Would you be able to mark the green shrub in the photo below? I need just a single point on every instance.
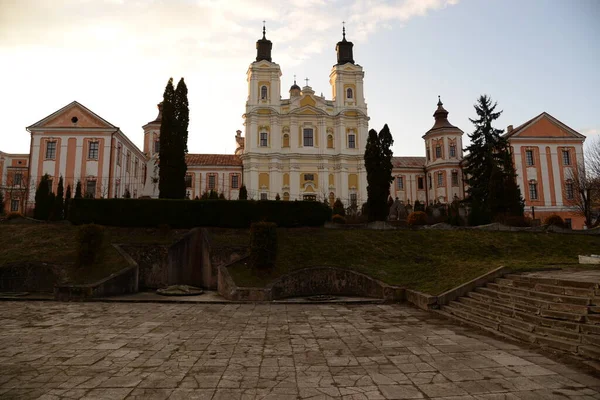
(555, 220)
(338, 219)
(90, 242)
(190, 214)
(263, 245)
(338, 208)
(417, 218)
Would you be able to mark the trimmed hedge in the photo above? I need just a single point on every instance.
(190, 214)
(263, 245)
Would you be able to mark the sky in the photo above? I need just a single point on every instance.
(116, 56)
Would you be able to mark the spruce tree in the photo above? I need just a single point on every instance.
(378, 163)
(58, 206)
(490, 174)
(42, 206)
(167, 147)
(78, 194)
(67, 201)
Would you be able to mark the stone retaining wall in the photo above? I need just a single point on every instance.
(309, 282)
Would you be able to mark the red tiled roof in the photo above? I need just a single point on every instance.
(213, 159)
(410, 162)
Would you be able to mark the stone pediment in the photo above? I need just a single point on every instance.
(73, 115)
(544, 126)
(308, 100)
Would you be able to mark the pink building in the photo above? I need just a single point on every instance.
(81, 146)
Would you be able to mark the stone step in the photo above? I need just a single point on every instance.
(530, 323)
(556, 298)
(553, 281)
(539, 287)
(549, 341)
(531, 301)
(471, 317)
(506, 309)
(533, 310)
(492, 315)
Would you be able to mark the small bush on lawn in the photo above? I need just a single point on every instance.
(90, 242)
(555, 220)
(338, 219)
(338, 208)
(417, 218)
(263, 245)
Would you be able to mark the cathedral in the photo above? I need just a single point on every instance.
(301, 147)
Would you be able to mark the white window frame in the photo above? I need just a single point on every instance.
(264, 92)
(529, 158)
(93, 152)
(311, 138)
(533, 190)
(212, 182)
(566, 157)
(400, 182)
(352, 143)
(12, 205)
(263, 141)
(53, 149)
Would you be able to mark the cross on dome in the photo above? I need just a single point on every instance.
(306, 79)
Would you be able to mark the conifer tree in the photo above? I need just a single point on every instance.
(182, 117)
(58, 206)
(1, 202)
(67, 201)
(43, 203)
(378, 163)
(243, 195)
(78, 194)
(490, 174)
(167, 143)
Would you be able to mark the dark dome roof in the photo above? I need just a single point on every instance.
(295, 87)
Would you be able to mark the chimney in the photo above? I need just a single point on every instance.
(509, 129)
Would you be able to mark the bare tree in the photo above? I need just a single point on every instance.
(15, 187)
(582, 187)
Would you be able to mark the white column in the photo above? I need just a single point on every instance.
(294, 181)
(343, 190)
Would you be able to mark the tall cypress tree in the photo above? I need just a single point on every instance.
(78, 193)
(43, 203)
(378, 163)
(168, 146)
(490, 174)
(1, 202)
(67, 201)
(58, 206)
(182, 118)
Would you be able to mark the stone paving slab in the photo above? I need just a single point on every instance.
(267, 351)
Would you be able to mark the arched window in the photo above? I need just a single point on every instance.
(263, 92)
(286, 196)
(329, 141)
(286, 140)
(349, 94)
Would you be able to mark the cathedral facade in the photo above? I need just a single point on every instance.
(301, 147)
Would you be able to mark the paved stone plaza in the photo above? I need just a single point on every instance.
(229, 351)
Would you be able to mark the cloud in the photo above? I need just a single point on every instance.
(209, 29)
(590, 131)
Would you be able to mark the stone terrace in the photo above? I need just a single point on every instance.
(266, 351)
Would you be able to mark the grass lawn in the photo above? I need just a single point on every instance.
(55, 244)
(431, 261)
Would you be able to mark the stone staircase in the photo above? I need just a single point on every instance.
(552, 312)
